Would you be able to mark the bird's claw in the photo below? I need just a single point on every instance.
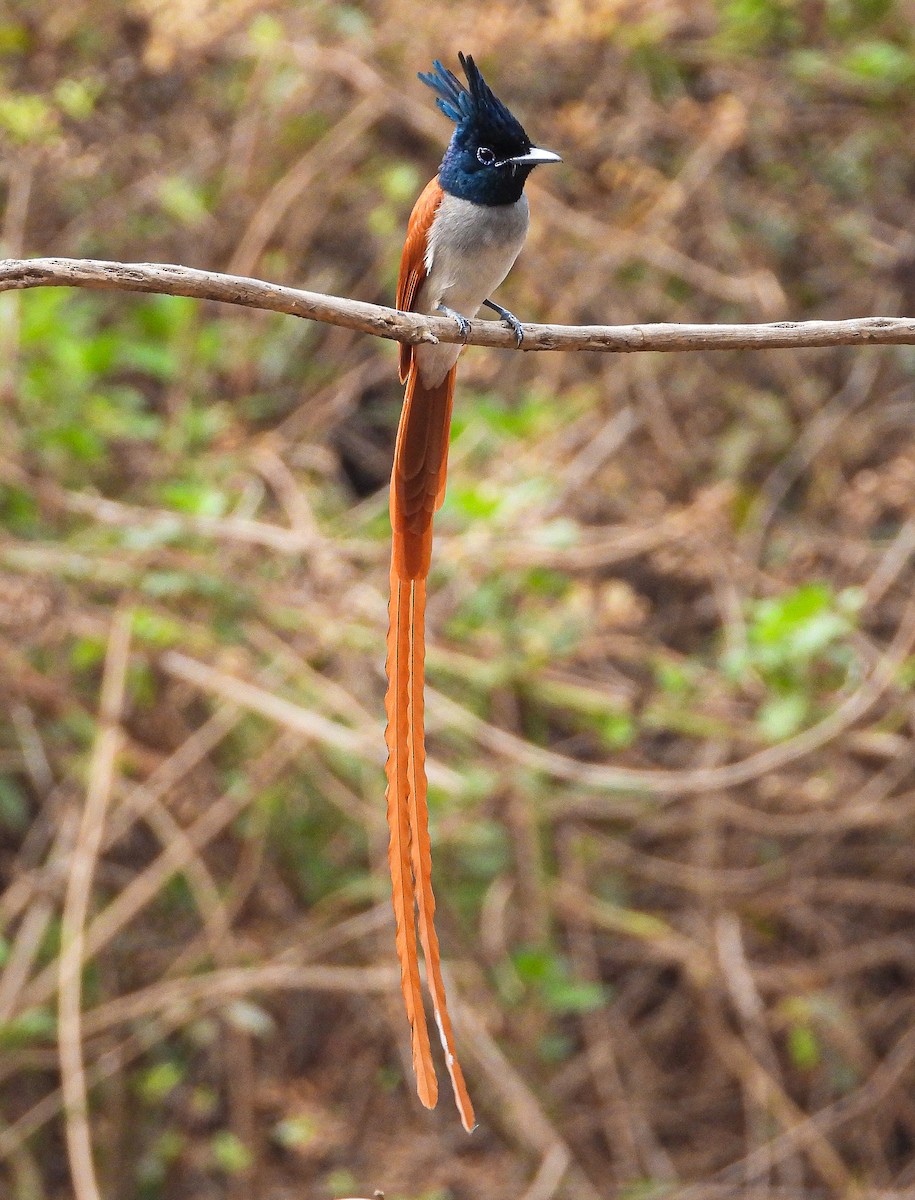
(461, 321)
(509, 319)
(515, 326)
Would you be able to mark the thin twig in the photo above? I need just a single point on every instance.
(169, 279)
(37, 913)
(76, 905)
(144, 887)
(520, 1112)
(168, 1004)
(227, 983)
(285, 713)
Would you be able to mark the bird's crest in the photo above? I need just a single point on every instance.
(473, 105)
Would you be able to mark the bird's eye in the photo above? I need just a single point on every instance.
(485, 156)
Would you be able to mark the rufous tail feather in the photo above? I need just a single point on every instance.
(402, 889)
(417, 489)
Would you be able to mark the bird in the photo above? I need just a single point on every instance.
(465, 232)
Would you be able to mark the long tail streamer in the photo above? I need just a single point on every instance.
(417, 489)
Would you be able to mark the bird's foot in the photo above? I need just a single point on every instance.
(462, 323)
(509, 318)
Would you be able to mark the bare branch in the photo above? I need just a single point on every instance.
(171, 280)
(73, 954)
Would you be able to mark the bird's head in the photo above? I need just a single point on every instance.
(490, 156)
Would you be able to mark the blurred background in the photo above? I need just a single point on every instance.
(671, 617)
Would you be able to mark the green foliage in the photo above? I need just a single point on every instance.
(155, 629)
(536, 627)
(340, 1182)
(293, 1133)
(301, 831)
(881, 64)
(878, 69)
(19, 512)
(811, 1021)
(156, 1083)
(229, 1153)
(486, 851)
(153, 1165)
(71, 410)
(35, 1025)
(265, 32)
(27, 119)
(798, 647)
(548, 977)
(748, 26)
(14, 809)
(76, 98)
(15, 38)
(184, 201)
(848, 17)
(497, 424)
(803, 1047)
(647, 1189)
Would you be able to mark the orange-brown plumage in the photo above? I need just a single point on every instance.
(413, 259)
(399, 857)
(417, 490)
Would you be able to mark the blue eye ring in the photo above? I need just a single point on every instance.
(485, 156)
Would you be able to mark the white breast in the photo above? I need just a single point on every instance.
(470, 251)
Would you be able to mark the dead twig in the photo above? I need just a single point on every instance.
(145, 886)
(168, 279)
(76, 905)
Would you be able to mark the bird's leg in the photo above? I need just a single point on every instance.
(508, 317)
(462, 323)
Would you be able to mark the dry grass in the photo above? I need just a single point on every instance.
(672, 625)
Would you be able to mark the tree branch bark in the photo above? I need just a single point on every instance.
(170, 280)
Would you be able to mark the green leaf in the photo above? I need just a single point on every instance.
(14, 808)
(15, 38)
(575, 996)
(294, 1132)
(198, 497)
(76, 97)
(27, 118)
(401, 182)
(265, 32)
(33, 1025)
(882, 63)
(229, 1153)
(548, 974)
(803, 1047)
(154, 628)
(751, 25)
(159, 1081)
(183, 200)
(618, 730)
(782, 716)
(788, 633)
(156, 359)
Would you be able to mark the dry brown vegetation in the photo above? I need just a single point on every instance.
(671, 622)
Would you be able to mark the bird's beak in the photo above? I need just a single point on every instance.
(534, 158)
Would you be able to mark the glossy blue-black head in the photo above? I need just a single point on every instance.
(489, 156)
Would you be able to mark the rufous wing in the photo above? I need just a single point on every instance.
(413, 259)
